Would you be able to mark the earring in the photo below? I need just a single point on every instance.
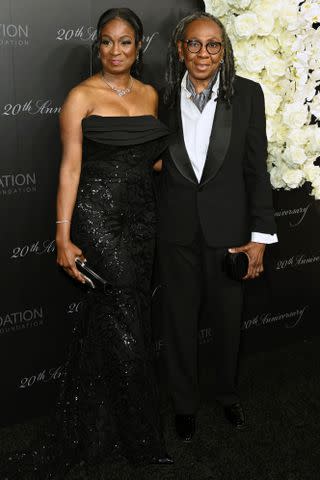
(98, 55)
(181, 59)
(221, 61)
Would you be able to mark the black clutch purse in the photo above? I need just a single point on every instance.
(91, 277)
(236, 265)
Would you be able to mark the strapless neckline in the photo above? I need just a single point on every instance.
(123, 131)
(113, 117)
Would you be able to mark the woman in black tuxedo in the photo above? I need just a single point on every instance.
(215, 196)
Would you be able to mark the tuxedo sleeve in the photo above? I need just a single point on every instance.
(255, 167)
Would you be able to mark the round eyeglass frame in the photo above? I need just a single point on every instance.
(187, 42)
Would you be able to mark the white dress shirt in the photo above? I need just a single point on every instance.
(197, 128)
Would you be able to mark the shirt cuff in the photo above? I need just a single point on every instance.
(264, 237)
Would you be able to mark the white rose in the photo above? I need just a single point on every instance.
(306, 40)
(306, 92)
(293, 178)
(244, 66)
(314, 62)
(310, 91)
(295, 115)
(256, 60)
(312, 40)
(301, 59)
(241, 50)
(239, 4)
(314, 76)
(315, 106)
(299, 74)
(313, 139)
(276, 178)
(276, 165)
(298, 136)
(217, 8)
(312, 172)
(298, 44)
(250, 75)
(246, 25)
(268, 6)
(294, 155)
(311, 12)
(276, 67)
(281, 133)
(265, 21)
(275, 152)
(272, 101)
(285, 39)
(271, 129)
(270, 43)
(288, 14)
(283, 86)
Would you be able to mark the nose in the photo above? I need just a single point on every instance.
(115, 50)
(203, 51)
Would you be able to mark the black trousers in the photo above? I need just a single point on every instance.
(195, 285)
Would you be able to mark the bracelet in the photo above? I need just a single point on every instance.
(63, 221)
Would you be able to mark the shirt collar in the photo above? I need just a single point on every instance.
(214, 90)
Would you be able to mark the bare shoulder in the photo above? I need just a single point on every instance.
(75, 100)
(79, 98)
(149, 94)
(150, 91)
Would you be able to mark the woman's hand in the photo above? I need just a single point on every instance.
(66, 255)
(157, 166)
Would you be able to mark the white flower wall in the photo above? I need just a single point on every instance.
(274, 44)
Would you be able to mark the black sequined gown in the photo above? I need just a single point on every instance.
(108, 406)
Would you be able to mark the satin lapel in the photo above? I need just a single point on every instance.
(178, 149)
(219, 142)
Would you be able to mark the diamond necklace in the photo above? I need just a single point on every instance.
(119, 91)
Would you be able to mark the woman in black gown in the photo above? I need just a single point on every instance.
(111, 139)
(108, 406)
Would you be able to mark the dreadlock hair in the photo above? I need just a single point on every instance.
(134, 21)
(176, 69)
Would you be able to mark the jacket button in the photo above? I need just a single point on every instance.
(200, 189)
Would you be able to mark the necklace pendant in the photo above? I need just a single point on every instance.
(119, 91)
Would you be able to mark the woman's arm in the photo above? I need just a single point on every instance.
(154, 99)
(71, 115)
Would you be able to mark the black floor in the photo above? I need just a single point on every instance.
(281, 394)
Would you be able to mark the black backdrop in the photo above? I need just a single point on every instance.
(45, 51)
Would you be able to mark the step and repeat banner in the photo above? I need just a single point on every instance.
(45, 49)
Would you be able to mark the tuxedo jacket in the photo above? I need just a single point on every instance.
(233, 197)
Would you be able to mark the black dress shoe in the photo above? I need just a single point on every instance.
(235, 414)
(165, 460)
(185, 427)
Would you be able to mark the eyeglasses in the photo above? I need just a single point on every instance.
(194, 46)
